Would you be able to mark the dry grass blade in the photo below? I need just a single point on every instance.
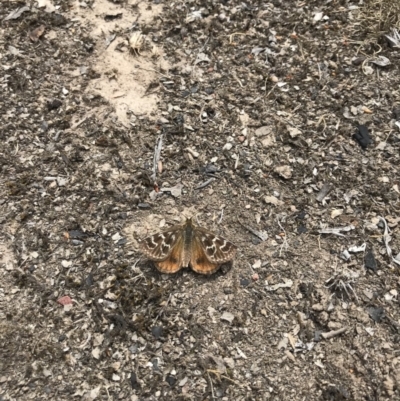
(377, 17)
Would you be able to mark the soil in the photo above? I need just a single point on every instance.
(275, 124)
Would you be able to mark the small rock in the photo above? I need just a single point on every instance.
(376, 313)
(318, 307)
(370, 261)
(183, 381)
(157, 332)
(96, 353)
(53, 104)
(317, 336)
(171, 380)
(227, 316)
(244, 282)
(318, 16)
(193, 152)
(144, 206)
(389, 385)
(89, 280)
(134, 349)
(44, 126)
(362, 136)
(133, 380)
(354, 110)
(229, 362)
(293, 131)
(301, 229)
(268, 141)
(336, 213)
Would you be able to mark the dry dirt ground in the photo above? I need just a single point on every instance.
(253, 106)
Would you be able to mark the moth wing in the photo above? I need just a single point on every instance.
(158, 247)
(174, 261)
(216, 248)
(199, 262)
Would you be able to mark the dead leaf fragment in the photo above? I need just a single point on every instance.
(14, 51)
(268, 141)
(266, 136)
(175, 191)
(326, 188)
(92, 394)
(96, 353)
(264, 131)
(284, 171)
(98, 339)
(228, 317)
(336, 213)
(202, 57)
(287, 284)
(272, 200)
(381, 61)
(293, 131)
(37, 33)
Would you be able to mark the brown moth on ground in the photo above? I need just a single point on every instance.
(187, 245)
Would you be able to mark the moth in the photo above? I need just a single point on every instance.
(187, 245)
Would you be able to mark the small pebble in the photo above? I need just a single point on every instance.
(171, 380)
(144, 206)
(133, 380)
(376, 313)
(157, 332)
(244, 282)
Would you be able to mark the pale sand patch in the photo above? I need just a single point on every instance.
(124, 76)
(7, 257)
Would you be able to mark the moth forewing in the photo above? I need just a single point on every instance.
(158, 247)
(217, 248)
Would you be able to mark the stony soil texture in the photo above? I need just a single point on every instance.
(275, 124)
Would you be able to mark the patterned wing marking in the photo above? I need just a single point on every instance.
(159, 246)
(174, 261)
(217, 249)
(199, 262)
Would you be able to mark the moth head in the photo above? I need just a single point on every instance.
(189, 222)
